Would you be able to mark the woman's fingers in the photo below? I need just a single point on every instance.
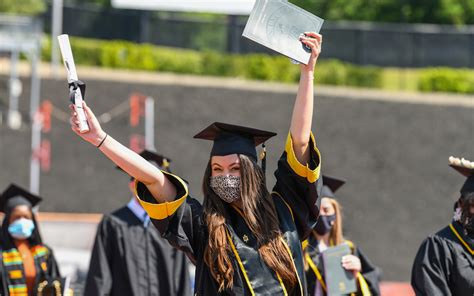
(76, 130)
(346, 267)
(315, 51)
(312, 43)
(351, 262)
(73, 112)
(349, 266)
(95, 132)
(347, 260)
(312, 40)
(88, 110)
(93, 121)
(314, 35)
(74, 122)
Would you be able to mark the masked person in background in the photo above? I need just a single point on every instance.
(444, 264)
(28, 265)
(243, 239)
(131, 258)
(328, 233)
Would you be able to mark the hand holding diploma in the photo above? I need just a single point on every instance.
(314, 42)
(352, 263)
(95, 135)
(132, 163)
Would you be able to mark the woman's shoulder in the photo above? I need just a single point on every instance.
(444, 238)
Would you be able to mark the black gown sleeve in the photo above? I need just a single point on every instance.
(430, 269)
(300, 186)
(53, 267)
(99, 276)
(181, 275)
(369, 272)
(179, 221)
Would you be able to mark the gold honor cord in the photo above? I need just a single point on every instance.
(461, 239)
(364, 287)
(240, 262)
(294, 266)
(242, 266)
(316, 271)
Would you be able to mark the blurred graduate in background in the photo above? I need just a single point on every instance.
(444, 264)
(328, 233)
(130, 257)
(28, 266)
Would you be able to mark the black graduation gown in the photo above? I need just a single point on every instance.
(444, 264)
(130, 259)
(52, 271)
(296, 199)
(369, 275)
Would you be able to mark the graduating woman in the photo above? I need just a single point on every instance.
(328, 233)
(444, 264)
(28, 266)
(243, 239)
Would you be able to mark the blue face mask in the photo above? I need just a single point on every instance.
(21, 228)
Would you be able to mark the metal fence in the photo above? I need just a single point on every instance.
(398, 45)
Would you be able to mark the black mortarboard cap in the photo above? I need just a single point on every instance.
(14, 196)
(465, 168)
(155, 158)
(158, 159)
(330, 186)
(234, 139)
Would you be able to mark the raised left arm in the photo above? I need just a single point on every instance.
(301, 120)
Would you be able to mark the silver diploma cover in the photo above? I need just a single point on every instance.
(278, 24)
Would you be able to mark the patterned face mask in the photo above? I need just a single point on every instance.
(226, 187)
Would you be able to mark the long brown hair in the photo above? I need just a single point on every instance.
(261, 217)
(335, 236)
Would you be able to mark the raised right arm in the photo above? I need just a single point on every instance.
(132, 163)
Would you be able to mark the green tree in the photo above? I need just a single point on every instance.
(412, 11)
(455, 11)
(26, 7)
